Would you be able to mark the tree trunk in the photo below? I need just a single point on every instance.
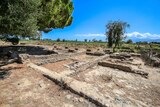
(114, 47)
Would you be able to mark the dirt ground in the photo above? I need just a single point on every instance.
(64, 65)
(26, 87)
(124, 88)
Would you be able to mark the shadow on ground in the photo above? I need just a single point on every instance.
(30, 50)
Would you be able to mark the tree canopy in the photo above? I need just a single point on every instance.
(26, 17)
(115, 32)
(129, 41)
(55, 14)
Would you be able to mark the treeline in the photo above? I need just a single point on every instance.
(76, 40)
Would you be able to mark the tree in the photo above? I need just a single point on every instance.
(129, 41)
(100, 41)
(26, 17)
(13, 39)
(85, 40)
(63, 40)
(19, 17)
(94, 40)
(115, 32)
(58, 40)
(55, 14)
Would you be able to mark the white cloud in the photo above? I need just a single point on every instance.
(91, 35)
(143, 35)
(132, 34)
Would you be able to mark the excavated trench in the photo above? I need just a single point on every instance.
(73, 64)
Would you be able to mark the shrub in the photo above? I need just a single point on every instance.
(58, 40)
(129, 41)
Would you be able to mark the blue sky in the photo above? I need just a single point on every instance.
(91, 16)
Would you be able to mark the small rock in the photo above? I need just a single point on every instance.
(76, 49)
(66, 47)
(71, 50)
(75, 99)
(68, 97)
(88, 50)
(22, 58)
(107, 51)
(81, 100)
(55, 46)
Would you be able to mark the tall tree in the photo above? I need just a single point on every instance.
(19, 17)
(129, 41)
(55, 14)
(26, 17)
(115, 32)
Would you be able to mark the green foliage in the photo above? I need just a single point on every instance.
(19, 17)
(144, 42)
(58, 40)
(26, 17)
(63, 40)
(85, 40)
(129, 41)
(115, 32)
(13, 39)
(94, 40)
(55, 14)
(100, 41)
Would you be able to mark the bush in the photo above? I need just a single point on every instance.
(58, 40)
(129, 41)
(13, 39)
(63, 40)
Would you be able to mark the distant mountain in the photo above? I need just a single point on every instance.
(148, 37)
(143, 39)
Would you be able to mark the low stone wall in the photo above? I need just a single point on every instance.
(151, 58)
(44, 59)
(96, 53)
(85, 66)
(124, 68)
(81, 88)
(41, 60)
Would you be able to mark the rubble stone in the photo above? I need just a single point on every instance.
(155, 61)
(97, 53)
(107, 51)
(71, 50)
